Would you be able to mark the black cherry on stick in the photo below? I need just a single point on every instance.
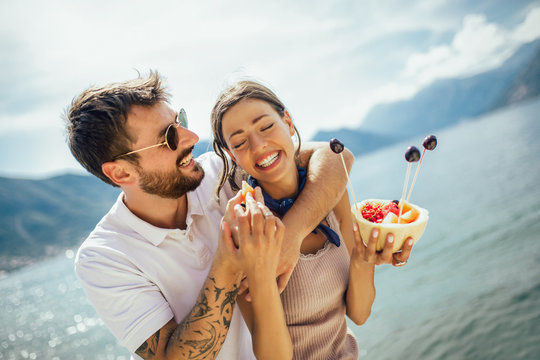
(430, 143)
(338, 147)
(411, 155)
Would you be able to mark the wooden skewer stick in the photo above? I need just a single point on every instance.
(404, 190)
(349, 180)
(411, 155)
(338, 147)
(415, 175)
(429, 143)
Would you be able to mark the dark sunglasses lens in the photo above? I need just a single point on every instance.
(182, 118)
(172, 137)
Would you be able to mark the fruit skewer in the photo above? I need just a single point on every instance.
(430, 142)
(411, 155)
(338, 147)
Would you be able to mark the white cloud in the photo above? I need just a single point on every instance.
(477, 47)
(530, 28)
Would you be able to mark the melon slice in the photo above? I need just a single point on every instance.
(390, 218)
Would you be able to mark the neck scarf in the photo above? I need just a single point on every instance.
(281, 206)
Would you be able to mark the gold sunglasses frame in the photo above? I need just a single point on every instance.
(180, 120)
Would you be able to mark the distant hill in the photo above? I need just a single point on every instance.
(357, 141)
(448, 101)
(525, 86)
(39, 218)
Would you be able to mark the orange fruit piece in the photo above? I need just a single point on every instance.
(409, 216)
(245, 189)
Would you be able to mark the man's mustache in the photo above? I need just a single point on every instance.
(183, 154)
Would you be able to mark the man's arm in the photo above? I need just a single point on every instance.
(325, 185)
(202, 332)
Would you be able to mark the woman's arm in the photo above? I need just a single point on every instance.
(325, 184)
(265, 319)
(361, 289)
(259, 252)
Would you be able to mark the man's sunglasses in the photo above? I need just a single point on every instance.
(171, 135)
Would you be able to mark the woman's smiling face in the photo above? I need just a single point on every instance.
(259, 140)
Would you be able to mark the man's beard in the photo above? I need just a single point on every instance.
(171, 184)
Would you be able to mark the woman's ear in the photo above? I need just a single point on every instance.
(288, 121)
(118, 172)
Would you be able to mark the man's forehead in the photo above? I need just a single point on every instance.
(152, 118)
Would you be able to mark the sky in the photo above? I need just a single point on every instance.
(329, 61)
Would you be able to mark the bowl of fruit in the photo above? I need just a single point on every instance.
(401, 218)
(384, 215)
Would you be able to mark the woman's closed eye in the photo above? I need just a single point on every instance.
(238, 145)
(267, 127)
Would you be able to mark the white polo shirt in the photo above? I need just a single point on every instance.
(138, 276)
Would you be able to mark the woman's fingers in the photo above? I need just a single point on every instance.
(258, 195)
(358, 242)
(386, 256)
(242, 231)
(400, 258)
(257, 217)
(226, 237)
(371, 250)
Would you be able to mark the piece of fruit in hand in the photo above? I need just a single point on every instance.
(245, 189)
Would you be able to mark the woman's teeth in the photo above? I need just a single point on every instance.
(269, 160)
(186, 161)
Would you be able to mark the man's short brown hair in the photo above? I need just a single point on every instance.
(96, 120)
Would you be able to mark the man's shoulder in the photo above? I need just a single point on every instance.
(210, 161)
(105, 235)
(213, 167)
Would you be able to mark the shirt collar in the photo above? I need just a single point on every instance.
(151, 233)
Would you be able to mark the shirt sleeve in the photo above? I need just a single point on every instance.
(132, 307)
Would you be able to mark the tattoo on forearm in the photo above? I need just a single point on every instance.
(230, 300)
(148, 349)
(218, 292)
(210, 322)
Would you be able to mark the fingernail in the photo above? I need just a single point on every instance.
(390, 238)
(355, 227)
(410, 242)
(375, 232)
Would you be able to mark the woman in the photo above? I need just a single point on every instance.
(334, 275)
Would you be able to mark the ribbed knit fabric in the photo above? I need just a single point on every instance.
(314, 304)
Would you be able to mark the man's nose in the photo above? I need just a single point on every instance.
(186, 137)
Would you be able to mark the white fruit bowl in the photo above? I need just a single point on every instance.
(401, 232)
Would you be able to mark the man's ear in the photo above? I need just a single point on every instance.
(118, 172)
(288, 121)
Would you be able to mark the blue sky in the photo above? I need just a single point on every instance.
(329, 61)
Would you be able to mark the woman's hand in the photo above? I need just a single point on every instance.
(369, 254)
(259, 236)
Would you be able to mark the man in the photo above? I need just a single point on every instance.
(153, 267)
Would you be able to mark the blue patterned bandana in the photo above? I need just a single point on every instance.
(281, 206)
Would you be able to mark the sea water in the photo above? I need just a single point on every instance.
(471, 289)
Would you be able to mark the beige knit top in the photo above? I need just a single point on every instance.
(314, 303)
